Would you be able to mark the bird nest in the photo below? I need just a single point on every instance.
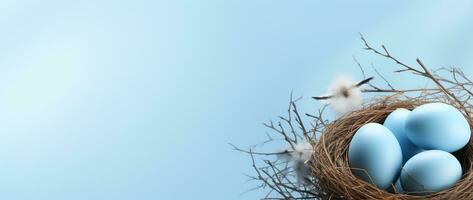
(314, 164)
(333, 173)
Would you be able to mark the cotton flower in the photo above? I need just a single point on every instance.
(297, 157)
(344, 95)
(302, 151)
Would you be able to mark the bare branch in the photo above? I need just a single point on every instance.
(279, 176)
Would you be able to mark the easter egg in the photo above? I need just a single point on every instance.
(430, 171)
(395, 122)
(438, 126)
(374, 155)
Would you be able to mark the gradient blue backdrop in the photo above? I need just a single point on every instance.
(138, 99)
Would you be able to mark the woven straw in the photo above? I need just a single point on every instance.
(334, 177)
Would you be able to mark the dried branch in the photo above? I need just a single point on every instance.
(280, 178)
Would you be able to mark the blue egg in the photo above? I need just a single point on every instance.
(374, 155)
(438, 126)
(395, 122)
(430, 171)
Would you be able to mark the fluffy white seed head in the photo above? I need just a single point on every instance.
(298, 156)
(345, 95)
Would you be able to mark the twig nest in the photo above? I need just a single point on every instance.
(334, 175)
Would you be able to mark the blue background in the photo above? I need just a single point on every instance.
(138, 99)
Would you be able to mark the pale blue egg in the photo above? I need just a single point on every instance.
(395, 122)
(438, 126)
(430, 171)
(374, 155)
